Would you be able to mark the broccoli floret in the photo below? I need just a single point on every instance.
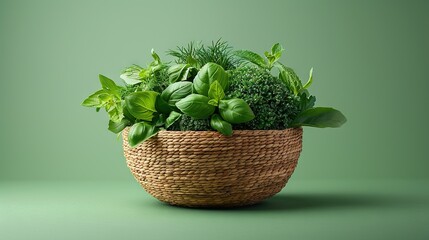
(270, 99)
(187, 123)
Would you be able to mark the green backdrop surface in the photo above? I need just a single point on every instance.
(63, 175)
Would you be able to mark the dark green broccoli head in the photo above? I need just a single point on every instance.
(187, 123)
(273, 104)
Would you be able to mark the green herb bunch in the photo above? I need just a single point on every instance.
(209, 88)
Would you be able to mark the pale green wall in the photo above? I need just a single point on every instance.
(370, 60)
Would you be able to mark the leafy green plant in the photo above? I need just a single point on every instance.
(208, 88)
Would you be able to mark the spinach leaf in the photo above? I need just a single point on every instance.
(320, 117)
(207, 75)
(142, 104)
(235, 111)
(140, 132)
(196, 106)
(217, 123)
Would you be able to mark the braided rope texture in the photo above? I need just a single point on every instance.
(207, 169)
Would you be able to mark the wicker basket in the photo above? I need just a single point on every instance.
(207, 169)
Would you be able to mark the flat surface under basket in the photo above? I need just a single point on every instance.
(387, 209)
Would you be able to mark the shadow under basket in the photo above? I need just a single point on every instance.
(207, 169)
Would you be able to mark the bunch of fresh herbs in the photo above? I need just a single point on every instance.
(210, 88)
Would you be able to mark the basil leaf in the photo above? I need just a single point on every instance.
(155, 56)
(177, 72)
(235, 111)
(224, 127)
(175, 92)
(196, 106)
(277, 50)
(93, 100)
(117, 127)
(216, 92)
(131, 75)
(320, 117)
(207, 75)
(109, 84)
(162, 106)
(127, 113)
(310, 80)
(251, 57)
(172, 118)
(142, 104)
(140, 132)
(213, 102)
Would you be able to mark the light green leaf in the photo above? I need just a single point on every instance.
(177, 72)
(235, 111)
(140, 132)
(207, 75)
(224, 127)
(93, 100)
(155, 56)
(310, 79)
(251, 57)
(131, 75)
(196, 106)
(115, 113)
(142, 104)
(320, 117)
(175, 92)
(216, 91)
(109, 84)
(277, 49)
(172, 118)
(117, 127)
(214, 102)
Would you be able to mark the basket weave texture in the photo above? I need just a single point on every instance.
(207, 169)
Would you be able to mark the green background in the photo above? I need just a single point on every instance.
(370, 61)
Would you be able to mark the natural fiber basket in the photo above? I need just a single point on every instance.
(207, 169)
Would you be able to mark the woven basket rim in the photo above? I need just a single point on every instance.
(234, 131)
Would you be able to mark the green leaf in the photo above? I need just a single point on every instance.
(93, 100)
(216, 91)
(277, 50)
(131, 75)
(207, 75)
(196, 106)
(177, 72)
(172, 118)
(224, 127)
(162, 106)
(310, 79)
(117, 127)
(320, 117)
(175, 92)
(235, 111)
(140, 132)
(142, 104)
(109, 84)
(251, 57)
(115, 113)
(291, 79)
(155, 56)
(214, 102)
